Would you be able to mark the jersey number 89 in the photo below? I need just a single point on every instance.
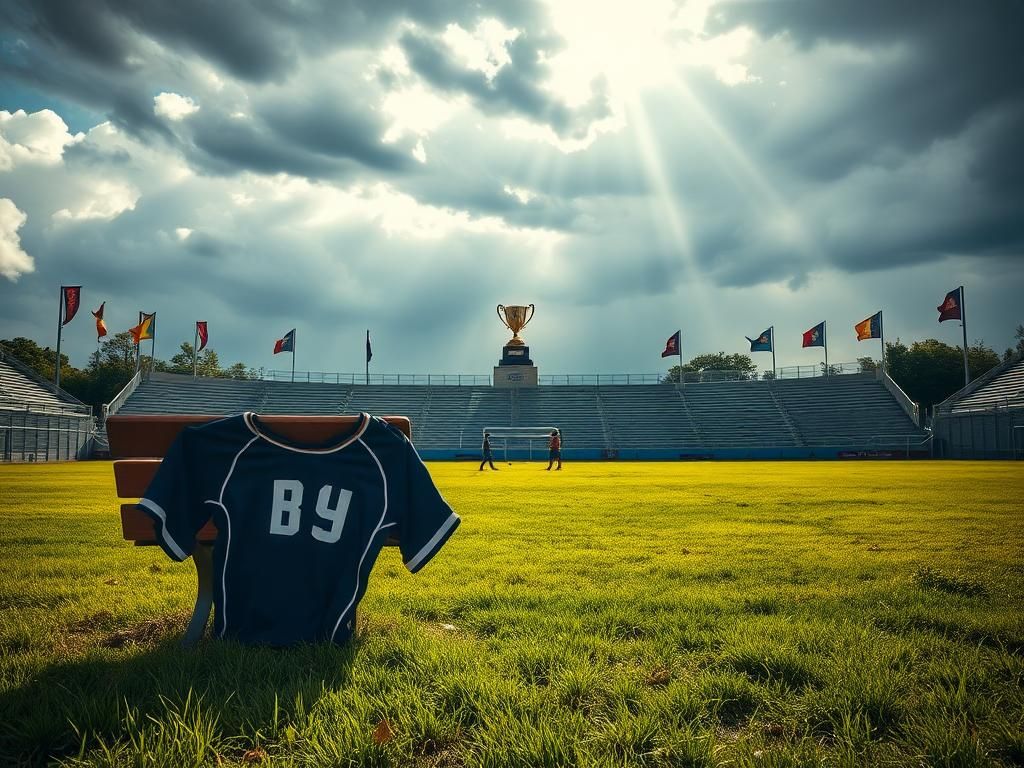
(286, 510)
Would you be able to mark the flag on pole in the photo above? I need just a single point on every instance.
(72, 300)
(950, 308)
(286, 344)
(101, 327)
(369, 350)
(203, 333)
(816, 336)
(763, 343)
(146, 329)
(870, 328)
(673, 345)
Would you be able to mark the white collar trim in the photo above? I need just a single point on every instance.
(249, 418)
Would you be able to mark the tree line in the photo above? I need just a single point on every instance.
(112, 366)
(928, 371)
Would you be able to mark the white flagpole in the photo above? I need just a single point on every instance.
(195, 353)
(963, 323)
(771, 335)
(293, 355)
(881, 335)
(60, 327)
(152, 349)
(824, 332)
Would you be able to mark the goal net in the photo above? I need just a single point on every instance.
(529, 439)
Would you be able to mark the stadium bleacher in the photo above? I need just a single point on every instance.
(1005, 388)
(853, 411)
(37, 421)
(841, 409)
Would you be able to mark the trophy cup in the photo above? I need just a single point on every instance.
(515, 368)
(515, 320)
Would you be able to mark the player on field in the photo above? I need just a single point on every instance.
(555, 449)
(488, 456)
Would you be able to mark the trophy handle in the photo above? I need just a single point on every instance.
(532, 310)
(498, 309)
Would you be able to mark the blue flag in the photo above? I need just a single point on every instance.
(762, 343)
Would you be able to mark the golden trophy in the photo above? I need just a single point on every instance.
(515, 369)
(515, 320)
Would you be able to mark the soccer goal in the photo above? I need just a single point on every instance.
(522, 438)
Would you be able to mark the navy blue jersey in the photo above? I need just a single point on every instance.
(299, 526)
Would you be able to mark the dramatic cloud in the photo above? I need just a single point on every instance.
(629, 167)
(173, 106)
(13, 260)
(37, 138)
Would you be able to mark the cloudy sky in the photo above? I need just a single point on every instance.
(629, 167)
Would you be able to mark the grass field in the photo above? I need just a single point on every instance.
(610, 614)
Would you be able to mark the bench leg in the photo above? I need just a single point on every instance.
(203, 559)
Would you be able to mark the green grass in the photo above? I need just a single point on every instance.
(610, 614)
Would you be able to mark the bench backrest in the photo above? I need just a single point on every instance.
(138, 444)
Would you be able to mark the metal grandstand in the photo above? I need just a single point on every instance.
(788, 418)
(985, 419)
(39, 422)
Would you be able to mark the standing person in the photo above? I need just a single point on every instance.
(488, 456)
(555, 449)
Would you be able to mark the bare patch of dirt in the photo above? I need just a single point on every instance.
(91, 623)
(146, 632)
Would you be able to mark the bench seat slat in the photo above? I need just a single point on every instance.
(133, 476)
(150, 436)
(138, 527)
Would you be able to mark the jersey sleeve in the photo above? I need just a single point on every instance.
(170, 500)
(425, 521)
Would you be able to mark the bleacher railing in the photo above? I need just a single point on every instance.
(562, 379)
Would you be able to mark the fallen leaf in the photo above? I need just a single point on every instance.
(254, 755)
(382, 734)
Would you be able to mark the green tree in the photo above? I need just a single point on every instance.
(929, 371)
(39, 359)
(867, 364)
(739, 364)
(1018, 348)
(207, 365)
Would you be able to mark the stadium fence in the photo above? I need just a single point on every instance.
(44, 434)
(562, 379)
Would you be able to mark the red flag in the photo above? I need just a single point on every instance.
(287, 344)
(101, 327)
(816, 336)
(72, 300)
(204, 334)
(673, 344)
(949, 309)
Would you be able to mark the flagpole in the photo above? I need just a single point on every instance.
(367, 357)
(195, 353)
(881, 335)
(138, 348)
(772, 334)
(824, 332)
(293, 355)
(152, 348)
(60, 326)
(963, 323)
(681, 358)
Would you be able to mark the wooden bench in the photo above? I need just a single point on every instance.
(138, 444)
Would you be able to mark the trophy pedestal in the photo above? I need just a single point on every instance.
(515, 355)
(517, 375)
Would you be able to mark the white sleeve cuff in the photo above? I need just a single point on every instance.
(434, 544)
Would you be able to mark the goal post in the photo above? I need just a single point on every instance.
(519, 437)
